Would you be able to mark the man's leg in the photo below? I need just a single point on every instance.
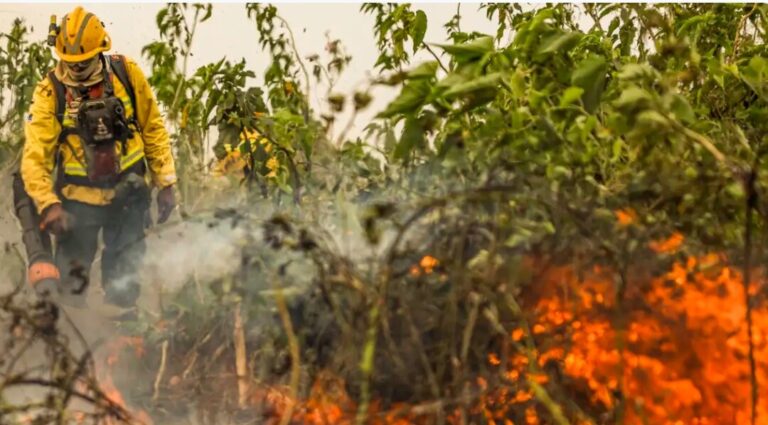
(123, 254)
(75, 250)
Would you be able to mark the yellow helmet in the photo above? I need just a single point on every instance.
(81, 36)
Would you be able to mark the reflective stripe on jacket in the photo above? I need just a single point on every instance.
(41, 145)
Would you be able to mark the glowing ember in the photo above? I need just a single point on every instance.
(428, 263)
(669, 245)
(426, 266)
(626, 216)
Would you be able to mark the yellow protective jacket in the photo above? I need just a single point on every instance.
(41, 146)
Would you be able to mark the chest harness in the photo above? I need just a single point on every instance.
(98, 118)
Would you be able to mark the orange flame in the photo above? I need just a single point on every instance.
(426, 265)
(104, 372)
(685, 345)
(625, 217)
(668, 245)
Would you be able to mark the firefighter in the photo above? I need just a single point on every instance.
(95, 145)
(241, 151)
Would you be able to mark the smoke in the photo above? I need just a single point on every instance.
(192, 250)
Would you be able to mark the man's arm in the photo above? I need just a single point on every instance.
(157, 146)
(41, 132)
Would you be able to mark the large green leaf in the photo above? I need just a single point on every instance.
(469, 51)
(651, 120)
(557, 42)
(571, 95)
(413, 136)
(474, 85)
(633, 97)
(590, 76)
(682, 109)
(425, 70)
(419, 29)
(637, 71)
(413, 95)
(716, 71)
(451, 80)
(756, 76)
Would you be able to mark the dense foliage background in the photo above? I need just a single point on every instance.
(496, 246)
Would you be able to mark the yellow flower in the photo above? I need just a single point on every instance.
(267, 145)
(273, 164)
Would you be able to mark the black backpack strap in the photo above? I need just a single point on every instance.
(60, 91)
(61, 96)
(117, 64)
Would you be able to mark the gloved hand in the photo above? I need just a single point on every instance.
(166, 202)
(56, 220)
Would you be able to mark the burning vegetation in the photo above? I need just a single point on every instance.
(674, 350)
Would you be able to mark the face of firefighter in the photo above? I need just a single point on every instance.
(81, 71)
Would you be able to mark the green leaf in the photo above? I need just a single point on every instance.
(735, 190)
(633, 97)
(548, 227)
(571, 95)
(528, 232)
(483, 260)
(469, 51)
(413, 135)
(715, 69)
(425, 70)
(413, 95)
(616, 148)
(615, 22)
(651, 119)
(419, 29)
(732, 69)
(517, 83)
(695, 21)
(558, 42)
(755, 75)
(637, 71)
(520, 237)
(161, 17)
(590, 76)
(558, 172)
(451, 80)
(208, 12)
(477, 84)
(682, 109)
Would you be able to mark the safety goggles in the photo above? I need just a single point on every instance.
(82, 65)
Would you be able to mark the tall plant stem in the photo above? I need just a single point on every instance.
(751, 203)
